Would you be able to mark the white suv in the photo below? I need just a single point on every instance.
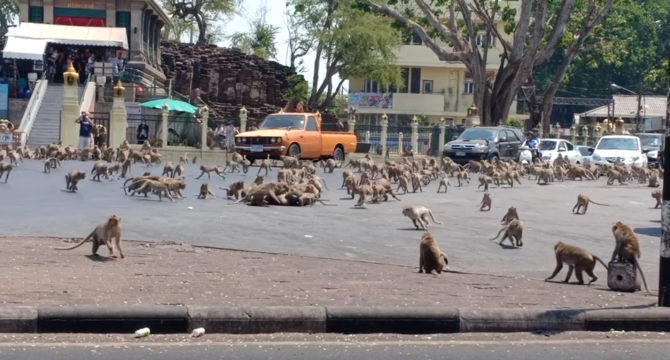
(626, 147)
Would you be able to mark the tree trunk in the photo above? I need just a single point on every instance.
(202, 31)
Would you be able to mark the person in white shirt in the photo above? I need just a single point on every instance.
(231, 131)
(221, 133)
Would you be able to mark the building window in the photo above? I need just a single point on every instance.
(405, 80)
(415, 81)
(123, 21)
(468, 87)
(36, 14)
(416, 39)
(428, 86)
(480, 40)
(372, 86)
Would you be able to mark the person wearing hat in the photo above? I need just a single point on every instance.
(85, 130)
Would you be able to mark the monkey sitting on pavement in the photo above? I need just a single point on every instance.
(430, 256)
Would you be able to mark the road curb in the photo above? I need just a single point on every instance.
(166, 319)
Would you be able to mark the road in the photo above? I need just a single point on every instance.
(380, 233)
(480, 347)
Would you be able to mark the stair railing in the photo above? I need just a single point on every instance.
(34, 104)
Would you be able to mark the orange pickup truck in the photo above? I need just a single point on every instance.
(292, 134)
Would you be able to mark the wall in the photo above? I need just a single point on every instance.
(16, 109)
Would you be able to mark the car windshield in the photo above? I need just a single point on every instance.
(548, 145)
(584, 151)
(650, 141)
(616, 143)
(283, 121)
(478, 134)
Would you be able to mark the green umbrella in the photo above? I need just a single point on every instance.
(172, 104)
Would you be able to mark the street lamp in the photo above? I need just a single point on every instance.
(638, 116)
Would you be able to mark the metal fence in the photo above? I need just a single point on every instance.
(425, 137)
(153, 122)
(183, 130)
(101, 135)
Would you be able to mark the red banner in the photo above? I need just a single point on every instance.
(80, 21)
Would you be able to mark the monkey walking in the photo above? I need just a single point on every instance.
(6, 168)
(658, 196)
(578, 260)
(583, 203)
(205, 192)
(513, 231)
(108, 233)
(486, 202)
(73, 178)
(419, 216)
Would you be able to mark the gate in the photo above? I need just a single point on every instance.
(101, 128)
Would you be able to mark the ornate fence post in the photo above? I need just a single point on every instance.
(243, 119)
(118, 119)
(415, 135)
(557, 131)
(573, 134)
(204, 111)
(165, 114)
(401, 139)
(443, 130)
(384, 135)
(585, 134)
(367, 137)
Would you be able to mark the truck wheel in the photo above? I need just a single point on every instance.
(493, 157)
(294, 150)
(338, 154)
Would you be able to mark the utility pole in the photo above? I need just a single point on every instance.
(664, 266)
(638, 116)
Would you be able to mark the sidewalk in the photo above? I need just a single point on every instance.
(32, 273)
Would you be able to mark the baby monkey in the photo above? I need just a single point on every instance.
(205, 192)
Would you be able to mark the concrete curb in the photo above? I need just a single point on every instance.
(318, 319)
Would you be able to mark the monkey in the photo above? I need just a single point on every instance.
(363, 192)
(578, 260)
(147, 173)
(137, 182)
(658, 196)
(126, 167)
(107, 233)
(513, 231)
(614, 175)
(265, 164)
(155, 186)
(443, 183)
(205, 193)
(583, 202)
(257, 195)
(310, 199)
(290, 161)
(114, 169)
(234, 189)
(51, 163)
(486, 202)
(100, 169)
(329, 166)
(402, 184)
(178, 171)
(72, 178)
(415, 180)
(653, 179)
(463, 176)
(168, 169)
(184, 159)
(211, 168)
(6, 168)
(511, 215)
(627, 248)
(545, 176)
(246, 164)
(14, 158)
(418, 213)
(430, 256)
(485, 181)
(194, 159)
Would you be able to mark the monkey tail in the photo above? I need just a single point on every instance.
(600, 261)
(444, 256)
(644, 280)
(433, 217)
(83, 241)
(324, 183)
(593, 202)
(500, 232)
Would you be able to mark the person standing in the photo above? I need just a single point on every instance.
(231, 131)
(85, 130)
(142, 132)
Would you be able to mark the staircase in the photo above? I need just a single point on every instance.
(46, 129)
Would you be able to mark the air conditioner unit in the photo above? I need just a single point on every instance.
(450, 91)
(38, 65)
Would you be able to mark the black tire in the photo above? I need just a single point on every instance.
(338, 154)
(493, 157)
(293, 150)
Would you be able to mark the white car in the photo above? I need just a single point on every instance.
(586, 153)
(626, 147)
(551, 148)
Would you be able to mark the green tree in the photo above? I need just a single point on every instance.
(261, 37)
(632, 45)
(348, 42)
(9, 10)
(537, 28)
(297, 91)
(178, 30)
(204, 13)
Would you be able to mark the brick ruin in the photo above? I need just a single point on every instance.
(227, 78)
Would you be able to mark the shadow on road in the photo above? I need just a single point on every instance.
(655, 231)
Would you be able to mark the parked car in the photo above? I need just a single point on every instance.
(653, 143)
(626, 147)
(484, 142)
(550, 149)
(294, 134)
(585, 152)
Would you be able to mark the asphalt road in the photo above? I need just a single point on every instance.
(483, 347)
(38, 205)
